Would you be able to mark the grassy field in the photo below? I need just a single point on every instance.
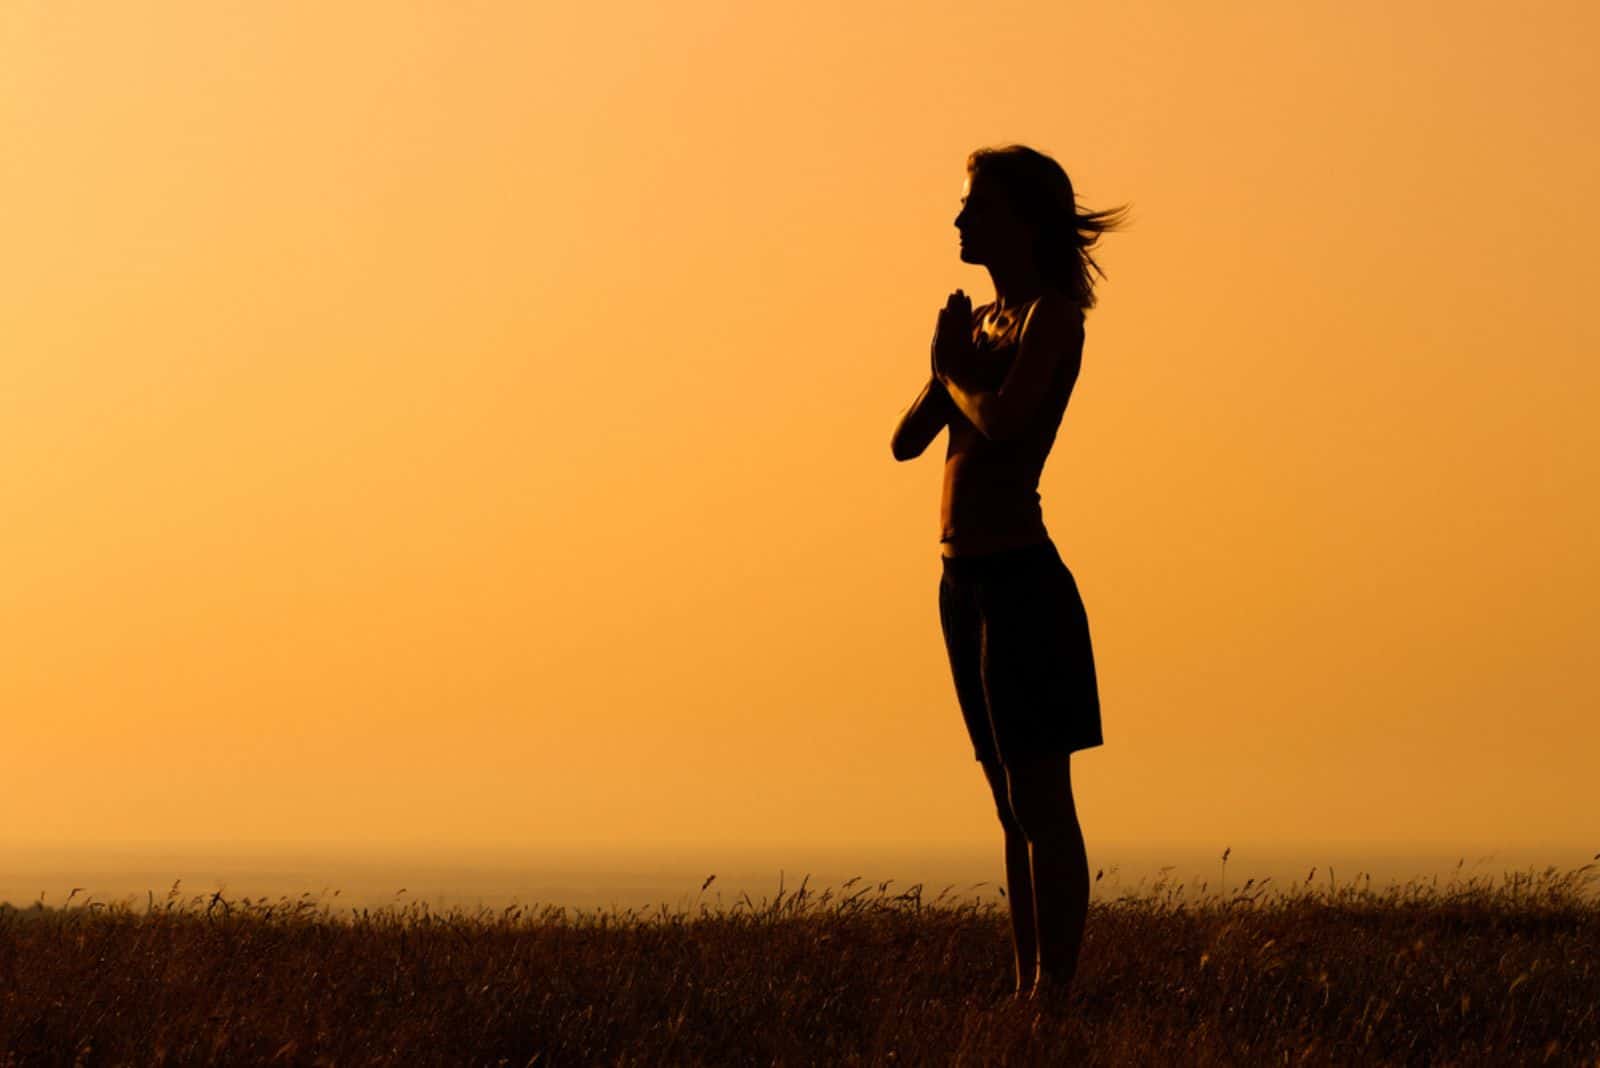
(1456, 972)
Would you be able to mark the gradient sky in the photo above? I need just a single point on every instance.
(470, 422)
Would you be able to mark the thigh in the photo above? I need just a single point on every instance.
(1037, 668)
(962, 623)
(1026, 630)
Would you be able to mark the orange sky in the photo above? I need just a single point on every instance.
(470, 423)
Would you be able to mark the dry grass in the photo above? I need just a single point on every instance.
(1473, 972)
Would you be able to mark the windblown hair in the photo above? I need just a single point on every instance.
(1040, 192)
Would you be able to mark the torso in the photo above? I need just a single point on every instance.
(990, 499)
(978, 544)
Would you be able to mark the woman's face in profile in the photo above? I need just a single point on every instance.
(990, 230)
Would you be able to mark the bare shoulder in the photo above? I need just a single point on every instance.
(1054, 315)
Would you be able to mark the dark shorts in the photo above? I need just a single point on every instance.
(1017, 636)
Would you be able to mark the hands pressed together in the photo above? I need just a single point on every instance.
(953, 349)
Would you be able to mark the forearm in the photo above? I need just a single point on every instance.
(977, 405)
(922, 421)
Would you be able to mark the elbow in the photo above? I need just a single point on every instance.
(909, 442)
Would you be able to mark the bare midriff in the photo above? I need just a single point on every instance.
(990, 499)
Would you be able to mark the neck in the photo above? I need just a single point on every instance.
(1015, 284)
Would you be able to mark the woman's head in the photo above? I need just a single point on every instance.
(1018, 203)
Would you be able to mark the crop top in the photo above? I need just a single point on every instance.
(991, 487)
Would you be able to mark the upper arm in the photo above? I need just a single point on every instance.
(1051, 334)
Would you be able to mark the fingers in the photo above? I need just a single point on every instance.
(956, 315)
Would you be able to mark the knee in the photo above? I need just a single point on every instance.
(1008, 819)
(1002, 798)
(1044, 812)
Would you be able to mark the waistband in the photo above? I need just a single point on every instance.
(1004, 562)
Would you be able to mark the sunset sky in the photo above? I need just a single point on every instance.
(469, 422)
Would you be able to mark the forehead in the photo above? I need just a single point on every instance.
(976, 186)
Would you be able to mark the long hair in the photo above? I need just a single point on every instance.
(1040, 192)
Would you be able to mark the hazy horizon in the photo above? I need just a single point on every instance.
(371, 874)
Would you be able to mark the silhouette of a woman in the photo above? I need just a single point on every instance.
(1015, 628)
